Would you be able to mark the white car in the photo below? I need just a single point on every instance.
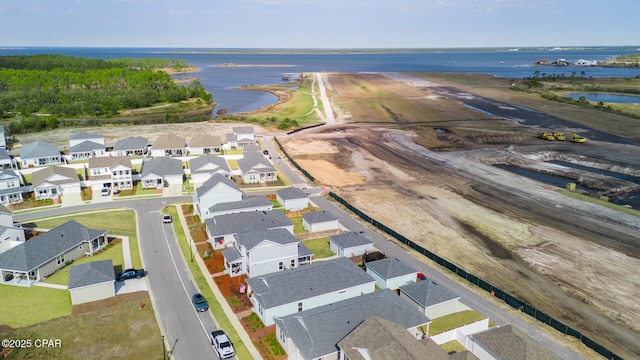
(222, 344)
(166, 218)
(105, 191)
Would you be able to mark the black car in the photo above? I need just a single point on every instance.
(131, 274)
(199, 302)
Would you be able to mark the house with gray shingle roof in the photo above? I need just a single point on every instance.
(507, 343)
(53, 181)
(131, 146)
(217, 189)
(319, 221)
(431, 298)
(241, 136)
(10, 235)
(315, 333)
(169, 145)
(39, 153)
(391, 273)
(160, 171)
(48, 252)
(222, 229)
(86, 146)
(260, 252)
(205, 144)
(11, 188)
(379, 339)
(247, 204)
(3, 138)
(112, 172)
(92, 281)
(203, 167)
(282, 293)
(6, 162)
(292, 198)
(254, 168)
(350, 244)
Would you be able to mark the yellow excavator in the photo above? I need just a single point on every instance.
(575, 137)
(559, 136)
(547, 136)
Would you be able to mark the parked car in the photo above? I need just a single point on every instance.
(266, 152)
(222, 344)
(166, 218)
(199, 302)
(105, 191)
(131, 274)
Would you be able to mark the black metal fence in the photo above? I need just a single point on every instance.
(303, 171)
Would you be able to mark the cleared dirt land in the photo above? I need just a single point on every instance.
(570, 258)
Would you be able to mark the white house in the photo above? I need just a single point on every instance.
(92, 281)
(11, 188)
(217, 189)
(319, 221)
(39, 153)
(430, 298)
(222, 229)
(203, 167)
(247, 204)
(10, 235)
(241, 136)
(169, 145)
(131, 146)
(205, 144)
(86, 146)
(112, 172)
(283, 293)
(3, 138)
(391, 273)
(315, 333)
(292, 198)
(350, 244)
(6, 162)
(507, 342)
(53, 181)
(161, 171)
(262, 252)
(254, 168)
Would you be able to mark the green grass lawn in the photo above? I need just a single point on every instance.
(452, 321)
(453, 346)
(112, 252)
(25, 306)
(319, 247)
(297, 225)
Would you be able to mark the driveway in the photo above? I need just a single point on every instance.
(133, 285)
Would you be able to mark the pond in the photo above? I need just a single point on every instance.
(607, 98)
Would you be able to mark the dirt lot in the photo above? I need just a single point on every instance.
(569, 258)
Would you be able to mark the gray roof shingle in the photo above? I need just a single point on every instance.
(161, 166)
(91, 273)
(243, 130)
(509, 343)
(169, 141)
(237, 206)
(316, 217)
(316, 332)
(390, 268)
(214, 180)
(44, 247)
(83, 135)
(251, 239)
(38, 149)
(304, 282)
(86, 146)
(131, 143)
(254, 161)
(208, 163)
(428, 292)
(291, 193)
(246, 221)
(350, 239)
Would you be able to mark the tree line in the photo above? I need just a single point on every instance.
(61, 87)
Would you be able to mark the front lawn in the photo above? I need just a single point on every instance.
(319, 247)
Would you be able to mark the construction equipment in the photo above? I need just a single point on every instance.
(559, 136)
(547, 136)
(575, 137)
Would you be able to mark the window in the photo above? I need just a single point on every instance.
(282, 337)
(60, 259)
(293, 263)
(299, 306)
(280, 265)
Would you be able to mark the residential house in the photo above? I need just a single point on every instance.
(292, 198)
(350, 244)
(242, 136)
(391, 273)
(53, 181)
(6, 162)
(131, 146)
(319, 221)
(507, 343)
(203, 167)
(247, 204)
(217, 189)
(112, 172)
(158, 172)
(86, 146)
(10, 234)
(254, 168)
(432, 299)
(169, 145)
(11, 189)
(92, 281)
(379, 339)
(222, 229)
(282, 293)
(39, 153)
(3, 138)
(260, 252)
(252, 148)
(205, 144)
(48, 252)
(315, 333)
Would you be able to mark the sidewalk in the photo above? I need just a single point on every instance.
(233, 318)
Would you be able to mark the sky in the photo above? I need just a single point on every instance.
(331, 24)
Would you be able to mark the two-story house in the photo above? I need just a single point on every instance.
(111, 172)
(282, 293)
(10, 234)
(86, 146)
(222, 229)
(6, 162)
(217, 189)
(203, 167)
(39, 153)
(11, 188)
